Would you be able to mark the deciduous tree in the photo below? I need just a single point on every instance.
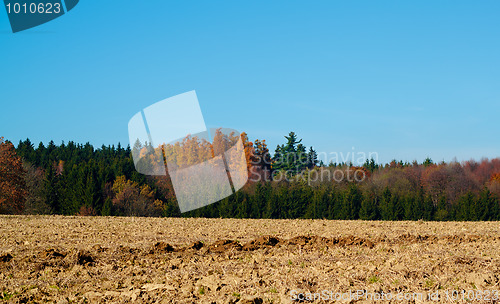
(12, 183)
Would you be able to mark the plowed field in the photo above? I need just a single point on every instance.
(59, 259)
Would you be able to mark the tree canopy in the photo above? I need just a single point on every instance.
(72, 178)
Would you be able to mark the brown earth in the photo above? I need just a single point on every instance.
(148, 260)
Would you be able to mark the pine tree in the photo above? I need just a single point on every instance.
(399, 209)
(370, 165)
(302, 161)
(277, 162)
(387, 205)
(53, 191)
(352, 203)
(428, 162)
(290, 157)
(442, 211)
(428, 208)
(261, 161)
(107, 207)
(312, 158)
(368, 210)
(486, 206)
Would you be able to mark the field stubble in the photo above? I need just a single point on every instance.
(149, 260)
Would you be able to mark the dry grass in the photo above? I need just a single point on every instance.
(148, 260)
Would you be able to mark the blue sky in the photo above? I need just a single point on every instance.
(404, 79)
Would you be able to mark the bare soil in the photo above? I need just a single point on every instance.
(55, 259)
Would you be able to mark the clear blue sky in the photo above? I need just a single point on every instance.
(405, 79)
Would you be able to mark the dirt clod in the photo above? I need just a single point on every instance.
(261, 242)
(225, 245)
(51, 254)
(84, 258)
(161, 247)
(251, 300)
(196, 245)
(6, 257)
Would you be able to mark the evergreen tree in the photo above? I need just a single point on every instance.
(368, 209)
(387, 206)
(290, 157)
(352, 203)
(53, 190)
(486, 206)
(466, 207)
(107, 207)
(312, 158)
(261, 160)
(428, 162)
(370, 165)
(301, 158)
(428, 208)
(443, 210)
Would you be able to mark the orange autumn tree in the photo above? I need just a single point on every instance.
(132, 199)
(495, 177)
(494, 184)
(258, 159)
(12, 185)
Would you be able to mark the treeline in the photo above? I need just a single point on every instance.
(78, 179)
(352, 201)
(73, 179)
